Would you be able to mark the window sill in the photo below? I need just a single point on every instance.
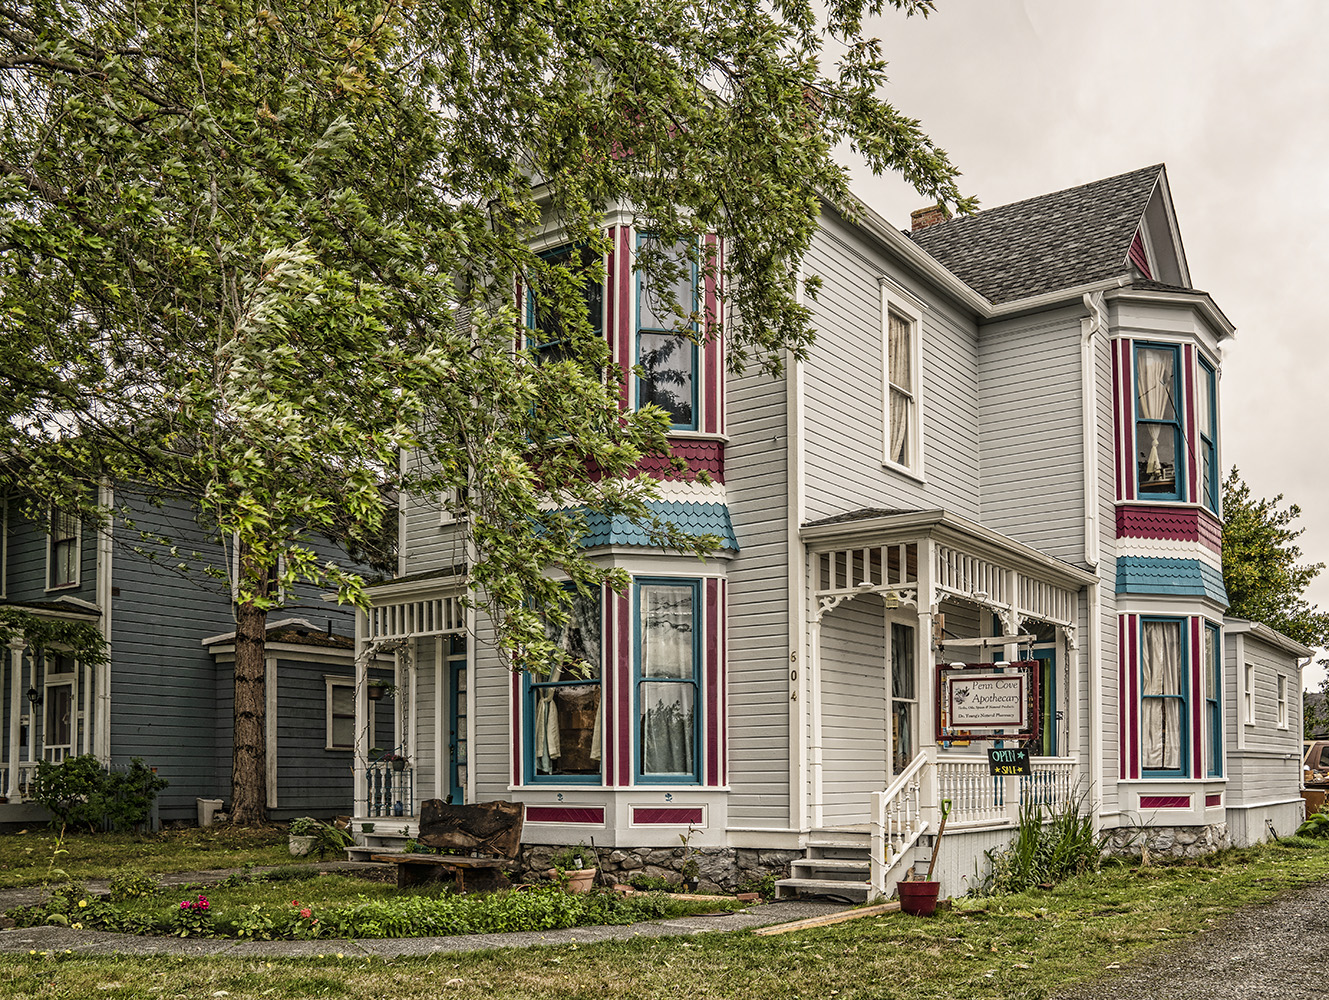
(63, 586)
(903, 470)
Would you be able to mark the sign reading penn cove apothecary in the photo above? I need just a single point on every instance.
(986, 700)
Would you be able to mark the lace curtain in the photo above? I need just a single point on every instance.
(900, 363)
(667, 693)
(1160, 672)
(1155, 389)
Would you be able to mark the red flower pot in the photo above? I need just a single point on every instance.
(918, 898)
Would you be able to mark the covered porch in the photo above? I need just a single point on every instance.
(412, 734)
(54, 701)
(898, 601)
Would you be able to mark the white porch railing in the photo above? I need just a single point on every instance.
(979, 799)
(897, 822)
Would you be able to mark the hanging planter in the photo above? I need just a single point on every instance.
(375, 691)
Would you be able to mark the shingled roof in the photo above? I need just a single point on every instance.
(1043, 244)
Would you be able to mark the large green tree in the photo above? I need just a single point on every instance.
(251, 253)
(1263, 573)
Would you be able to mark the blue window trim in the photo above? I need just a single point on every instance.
(597, 322)
(638, 681)
(639, 330)
(1183, 769)
(457, 659)
(1209, 492)
(1179, 449)
(529, 775)
(1213, 709)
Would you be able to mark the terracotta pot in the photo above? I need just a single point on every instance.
(579, 880)
(918, 898)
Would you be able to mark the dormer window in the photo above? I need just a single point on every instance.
(1158, 425)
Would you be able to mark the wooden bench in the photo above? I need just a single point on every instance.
(413, 869)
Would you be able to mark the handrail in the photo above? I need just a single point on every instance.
(897, 822)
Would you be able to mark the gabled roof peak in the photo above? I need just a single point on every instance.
(1064, 239)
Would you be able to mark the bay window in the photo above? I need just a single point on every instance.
(564, 713)
(666, 351)
(1213, 702)
(1206, 387)
(1164, 698)
(1158, 434)
(546, 332)
(667, 681)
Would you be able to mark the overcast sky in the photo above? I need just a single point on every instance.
(1032, 96)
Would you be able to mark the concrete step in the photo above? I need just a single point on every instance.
(792, 888)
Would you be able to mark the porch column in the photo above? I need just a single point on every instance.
(16, 647)
(442, 683)
(359, 761)
(33, 711)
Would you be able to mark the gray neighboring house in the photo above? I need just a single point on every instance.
(166, 694)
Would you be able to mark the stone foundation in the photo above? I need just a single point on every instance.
(723, 868)
(1168, 841)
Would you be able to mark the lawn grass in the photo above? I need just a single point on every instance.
(1021, 946)
(38, 855)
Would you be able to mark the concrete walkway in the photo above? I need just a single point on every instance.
(26, 939)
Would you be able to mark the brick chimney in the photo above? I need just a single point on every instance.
(930, 216)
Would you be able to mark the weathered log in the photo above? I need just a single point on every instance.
(490, 827)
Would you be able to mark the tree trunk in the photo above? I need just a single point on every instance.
(249, 768)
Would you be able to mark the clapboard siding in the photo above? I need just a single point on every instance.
(1032, 445)
(426, 722)
(26, 566)
(491, 742)
(854, 716)
(1267, 767)
(311, 779)
(165, 686)
(758, 622)
(843, 438)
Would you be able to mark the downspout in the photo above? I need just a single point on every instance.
(101, 710)
(1090, 326)
(800, 663)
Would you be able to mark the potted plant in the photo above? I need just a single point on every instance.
(302, 835)
(397, 760)
(691, 875)
(570, 868)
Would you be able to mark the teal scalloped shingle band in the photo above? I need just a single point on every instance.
(693, 518)
(1182, 577)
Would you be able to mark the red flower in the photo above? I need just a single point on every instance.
(306, 913)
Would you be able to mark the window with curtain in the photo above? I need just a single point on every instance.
(1248, 694)
(901, 398)
(666, 351)
(62, 561)
(1213, 701)
(564, 709)
(1207, 394)
(1157, 420)
(1282, 702)
(668, 681)
(1163, 697)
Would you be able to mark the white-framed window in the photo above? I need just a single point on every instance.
(450, 505)
(62, 551)
(1248, 695)
(902, 392)
(1282, 701)
(341, 713)
(666, 354)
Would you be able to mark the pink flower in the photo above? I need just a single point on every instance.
(306, 913)
(184, 904)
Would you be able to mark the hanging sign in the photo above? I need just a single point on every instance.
(987, 700)
(1009, 760)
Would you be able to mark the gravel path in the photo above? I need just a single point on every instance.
(1276, 951)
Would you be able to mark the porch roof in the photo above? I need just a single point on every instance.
(60, 607)
(877, 525)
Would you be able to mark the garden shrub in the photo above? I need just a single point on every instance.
(1044, 852)
(1316, 825)
(80, 793)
